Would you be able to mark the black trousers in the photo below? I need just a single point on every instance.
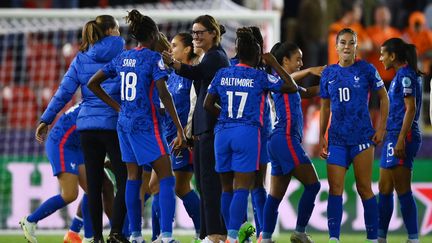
(96, 144)
(209, 186)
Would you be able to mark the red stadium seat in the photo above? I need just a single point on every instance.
(19, 106)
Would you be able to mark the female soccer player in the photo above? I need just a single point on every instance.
(240, 90)
(182, 50)
(143, 86)
(96, 121)
(403, 138)
(344, 91)
(206, 33)
(64, 152)
(286, 153)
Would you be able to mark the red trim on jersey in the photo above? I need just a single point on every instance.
(61, 146)
(409, 136)
(261, 116)
(155, 120)
(243, 65)
(259, 149)
(288, 130)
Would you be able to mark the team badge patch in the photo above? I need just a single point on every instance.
(272, 78)
(161, 65)
(406, 82)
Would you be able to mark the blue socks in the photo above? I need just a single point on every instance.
(270, 216)
(226, 199)
(409, 214)
(167, 205)
(133, 204)
(238, 209)
(155, 217)
(306, 205)
(385, 208)
(47, 208)
(77, 224)
(88, 228)
(259, 196)
(371, 217)
(334, 215)
(191, 203)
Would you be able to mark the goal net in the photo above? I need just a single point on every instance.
(36, 47)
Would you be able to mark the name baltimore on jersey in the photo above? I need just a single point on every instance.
(243, 82)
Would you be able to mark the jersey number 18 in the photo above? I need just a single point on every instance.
(128, 83)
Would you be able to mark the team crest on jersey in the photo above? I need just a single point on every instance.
(161, 65)
(377, 76)
(406, 82)
(272, 78)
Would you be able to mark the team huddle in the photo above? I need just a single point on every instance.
(164, 112)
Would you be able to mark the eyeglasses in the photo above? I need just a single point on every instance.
(198, 32)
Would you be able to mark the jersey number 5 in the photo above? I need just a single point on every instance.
(128, 83)
(243, 96)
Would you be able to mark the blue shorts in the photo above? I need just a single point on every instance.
(344, 155)
(388, 160)
(183, 161)
(264, 157)
(285, 154)
(237, 149)
(142, 147)
(63, 158)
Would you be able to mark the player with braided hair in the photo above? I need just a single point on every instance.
(143, 86)
(240, 91)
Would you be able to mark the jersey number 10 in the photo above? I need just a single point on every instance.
(344, 94)
(243, 96)
(128, 83)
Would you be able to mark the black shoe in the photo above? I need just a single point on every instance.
(117, 238)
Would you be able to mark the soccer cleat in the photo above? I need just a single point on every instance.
(172, 241)
(117, 238)
(371, 241)
(88, 240)
(137, 240)
(158, 239)
(196, 240)
(333, 240)
(299, 237)
(382, 240)
(246, 230)
(72, 237)
(29, 230)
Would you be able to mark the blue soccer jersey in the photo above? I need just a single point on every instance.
(348, 89)
(64, 131)
(405, 83)
(180, 88)
(138, 69)
(289, 116)
(241, 90)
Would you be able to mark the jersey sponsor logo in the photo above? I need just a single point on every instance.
(406, 82)
(161, 65)
(332, 81)
(272, 78)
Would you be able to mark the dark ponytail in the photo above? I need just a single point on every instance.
(247, 46)
(142, 27)
(187, 41)
(403, 51)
